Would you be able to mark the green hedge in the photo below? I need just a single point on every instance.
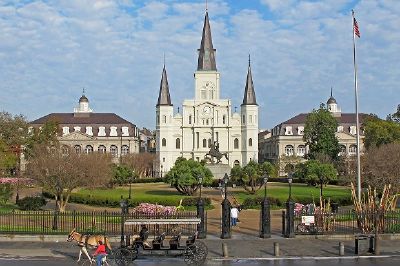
(148, 180)
(255, 202)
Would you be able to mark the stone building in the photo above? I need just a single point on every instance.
(284, 144)
(87, 131)
(206, 119)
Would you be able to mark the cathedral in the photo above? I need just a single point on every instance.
(207, 122)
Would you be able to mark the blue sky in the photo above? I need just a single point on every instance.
(50, 50)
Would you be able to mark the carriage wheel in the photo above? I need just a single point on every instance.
(124, 256)
(196, 254)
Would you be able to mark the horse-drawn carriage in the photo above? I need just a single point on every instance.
(164, 236)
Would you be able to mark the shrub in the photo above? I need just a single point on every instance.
(193, 201)
(5, 193)
(31, 203)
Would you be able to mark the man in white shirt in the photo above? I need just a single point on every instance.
(234, 215)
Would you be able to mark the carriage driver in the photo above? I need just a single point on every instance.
(100, 252)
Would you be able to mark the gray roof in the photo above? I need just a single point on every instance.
(83, 99)
(249, 97)
(163, 97)
(206, 61)
(88, 119)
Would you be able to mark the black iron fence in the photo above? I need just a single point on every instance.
(56, 223)
(348, 222)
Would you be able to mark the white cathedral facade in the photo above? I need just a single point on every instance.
(207, 119)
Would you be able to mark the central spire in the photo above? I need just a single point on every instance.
(206, 61)
(249, 97)
(164, 97)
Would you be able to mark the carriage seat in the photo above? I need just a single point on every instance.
(190, 240)
(174, 242)
(158, 241)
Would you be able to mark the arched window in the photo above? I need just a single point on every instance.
(236, 144)
(236, 162)
(164, 142)
(204, 143)
(250, 142)
(125, 150)
(178, 143)
(223, 119)
(114, 150)
(352, 149)
(244, 119)
(164, 119)
(301, 150)
(209, 143)
(190, 119)
(101, 149)
(77, 148)
(65, 150)
(289, 150)
(88, 149)
(342, 150)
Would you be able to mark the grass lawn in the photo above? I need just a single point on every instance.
(300, 192)
(8, 207)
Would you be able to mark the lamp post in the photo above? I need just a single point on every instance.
(376, 227)
(265, 213)
(124, 210)
(290, 211)
(321, 183)
(200, 212)
(226, 212)
(130, 186)
(55, 218)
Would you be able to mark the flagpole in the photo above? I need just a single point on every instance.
(357, 118)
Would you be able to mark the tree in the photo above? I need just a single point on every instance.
(378, 132)
(319, 134)
(60, 170)
(251, 175)
(141, 163)
(45, 135)
(395, 117)
(123, 174)
(185, 173)
(314, 172)
(380, 166)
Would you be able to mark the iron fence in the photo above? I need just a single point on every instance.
(57, 223)
(347, 222)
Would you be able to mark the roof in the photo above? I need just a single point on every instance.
(331, 100)
(90, 119)
(164, 98)
(83, 99)
(249, 97)
(206, 60)
(345, 118)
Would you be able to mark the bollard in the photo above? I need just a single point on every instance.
(225, 250)
(341, 249)
(276, 249)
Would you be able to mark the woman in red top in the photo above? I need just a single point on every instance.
(100, 253)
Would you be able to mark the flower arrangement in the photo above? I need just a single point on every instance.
(16, 180)
(154, 209)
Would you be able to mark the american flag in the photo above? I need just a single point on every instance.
(356, 30)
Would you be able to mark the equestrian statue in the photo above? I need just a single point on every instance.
(215, 153)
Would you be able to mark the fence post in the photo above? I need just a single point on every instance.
(276, 249)
(283, 222)
(341, 249)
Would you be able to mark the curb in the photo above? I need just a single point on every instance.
(305, 258)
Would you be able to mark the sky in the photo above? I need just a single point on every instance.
(51, 50)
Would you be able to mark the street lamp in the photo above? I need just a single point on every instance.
(201, 232)
(290, 210)
(124, 210)
(265, 213)
(320, 182)
(130, 186)
(226, 212)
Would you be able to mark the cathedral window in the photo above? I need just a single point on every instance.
(212, 94)
(164, 119)
(125, 150)
(190, 119)
(217, 136)
(88, 149)
(207, 122)
(198, 139)
(77, 148)
(164, 142)
(203, 94)
(289, 150)
(244, 119)
(223, 119)
(250, 142)
(209, 143)
(114, 150)
(158, 119)
(101, 149)
(236, 144)
(250, 119)
(178, 143)
(204, 143)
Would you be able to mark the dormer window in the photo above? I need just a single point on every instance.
(300, 130)
(77, 129)
(288, 130)
(65, 131)
(125, 131)
(89, 131)
(353, 130)
(340, 129)
(102, 132)
(113, 132)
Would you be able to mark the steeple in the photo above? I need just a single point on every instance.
(206, 61)
(163, 97)
(249, 97)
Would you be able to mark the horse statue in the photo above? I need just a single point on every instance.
(215, 153)
(87, 240)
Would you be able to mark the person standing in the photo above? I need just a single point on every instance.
(234, 215)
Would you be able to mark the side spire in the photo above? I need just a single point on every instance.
(164, 97)
(206, 61)
(249, 97)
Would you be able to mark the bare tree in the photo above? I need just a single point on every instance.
(141, 163)
(59, 170)
(381, 166)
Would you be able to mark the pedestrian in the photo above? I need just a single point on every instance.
(100, 252)
(234, 215)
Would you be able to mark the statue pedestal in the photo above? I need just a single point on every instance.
(219, 170)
